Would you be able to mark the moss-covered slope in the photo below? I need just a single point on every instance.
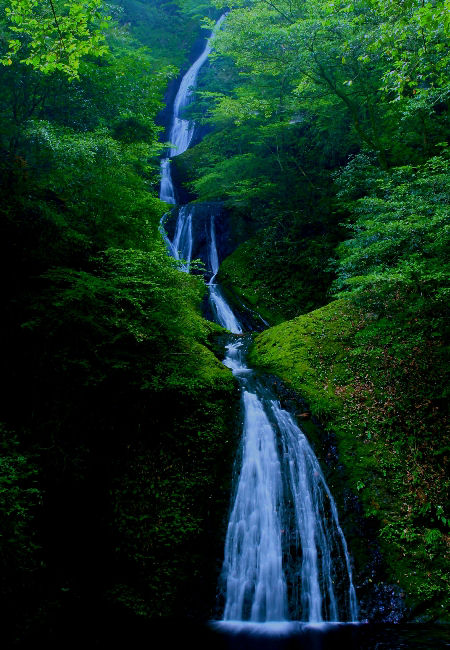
(379, 399)
(283, 270)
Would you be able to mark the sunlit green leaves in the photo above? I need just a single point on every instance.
(414, 39)
(54, 35)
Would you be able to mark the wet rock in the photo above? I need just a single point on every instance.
(201, 227)
(384, 603)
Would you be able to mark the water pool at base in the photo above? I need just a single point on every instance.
(330, 636)
(300, 636)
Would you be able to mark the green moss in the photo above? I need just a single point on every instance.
(281, 271)
(298, 349)
(237, 272)
(363, 393)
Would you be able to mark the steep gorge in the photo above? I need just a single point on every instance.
(351, 392)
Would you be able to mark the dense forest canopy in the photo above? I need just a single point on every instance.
(325, 129)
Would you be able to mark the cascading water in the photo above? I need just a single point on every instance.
(281, 496)
(167, 190)
(223, 313)
(180, 136)
(182, 241)
(182, 130)
(253, 567)
(325, 558)
(286, 557)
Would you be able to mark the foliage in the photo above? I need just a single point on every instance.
(19, 500)
(412, 40)
(108, 360)
(57, 34)
(284, 269)
(169, 30)
(396, 261)
(297, 90)
(100, 177)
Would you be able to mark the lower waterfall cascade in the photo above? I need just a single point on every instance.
(286, 556)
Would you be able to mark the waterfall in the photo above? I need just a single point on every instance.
(222, 311)
(167, 190)
(325, 557)
(180, 248)
(182, 130)
(182, 241)
(253, 565)
(213, 255)
(281, 496)
(285, 557)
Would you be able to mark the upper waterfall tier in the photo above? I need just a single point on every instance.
(182, 129)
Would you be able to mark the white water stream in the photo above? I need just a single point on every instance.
(286, 557)
(181, 129)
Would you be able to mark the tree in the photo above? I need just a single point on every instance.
(55, 35)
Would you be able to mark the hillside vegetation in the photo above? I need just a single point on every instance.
(329, 147)
(117, 419)
(384, 406)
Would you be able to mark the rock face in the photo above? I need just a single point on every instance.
(201, 227)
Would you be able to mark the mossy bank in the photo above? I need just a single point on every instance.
(378, 400)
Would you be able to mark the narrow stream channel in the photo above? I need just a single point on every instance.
(286, 557)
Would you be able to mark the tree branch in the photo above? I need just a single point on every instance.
(61, 42)
(285, 16)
